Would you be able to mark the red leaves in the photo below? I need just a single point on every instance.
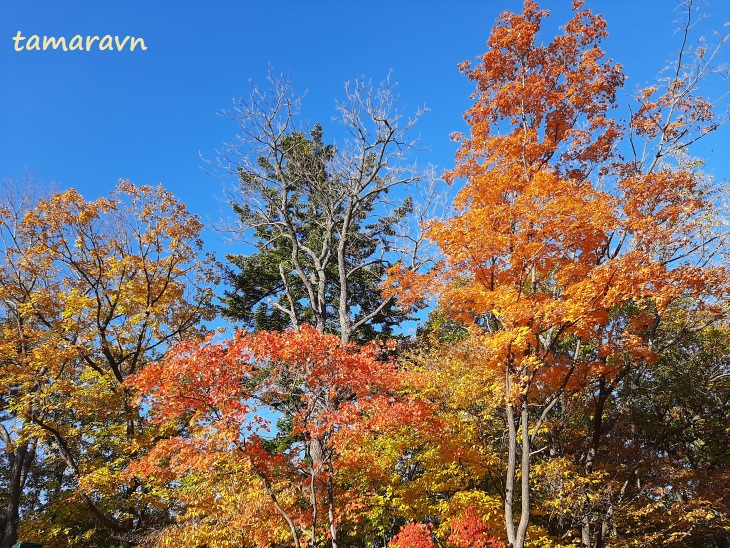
(470, 531)
(413, 535)
(219, 398)
(230, 381)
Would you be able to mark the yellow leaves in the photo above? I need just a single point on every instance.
(92, 298)
(564, 487)
(74, 301)
(219, 513)
(488, 506)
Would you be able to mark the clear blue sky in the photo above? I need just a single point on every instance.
(86, 119)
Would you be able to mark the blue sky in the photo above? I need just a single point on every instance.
(86, 119)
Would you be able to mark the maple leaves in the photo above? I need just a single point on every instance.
(468, 531)
(318, 389)
(417, 535)
(568, 271)
(564, 260)
(542, 93)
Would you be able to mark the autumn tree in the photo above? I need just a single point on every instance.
(468, 531)
(246, 477)
(91, 292)
(565, 259)
(417, 535)
(658, 475)
(445, 463)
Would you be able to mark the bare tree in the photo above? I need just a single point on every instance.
(343, 214)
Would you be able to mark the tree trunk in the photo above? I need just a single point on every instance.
(525, 507)
(516, 535)
(590, 458)
(331, 505)
(511, 464)
(20, 462)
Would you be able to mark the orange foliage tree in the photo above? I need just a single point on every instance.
(470, 531)
(227, 394)
(564, 258)
(413, 535)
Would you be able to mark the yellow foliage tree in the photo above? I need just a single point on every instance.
(92, 291)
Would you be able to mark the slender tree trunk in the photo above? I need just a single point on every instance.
(274, 499)
(516, 535)
(511, 465)
(282, 512)
(313, 494)
(585, 524)
(20, 462)
(344, 305)
(525, 507)
(590, 459)
(331, 507)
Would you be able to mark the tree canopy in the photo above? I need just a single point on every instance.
(569, 387)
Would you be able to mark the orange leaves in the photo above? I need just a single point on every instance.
(673, 112)
(544, 94)
(536, 243)
(470, 531)
(323, 394)
(413, 535)
(411, 288)
(180, 385)
(662, 209)
(517, 33)
(292, 372)
(563, 259)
